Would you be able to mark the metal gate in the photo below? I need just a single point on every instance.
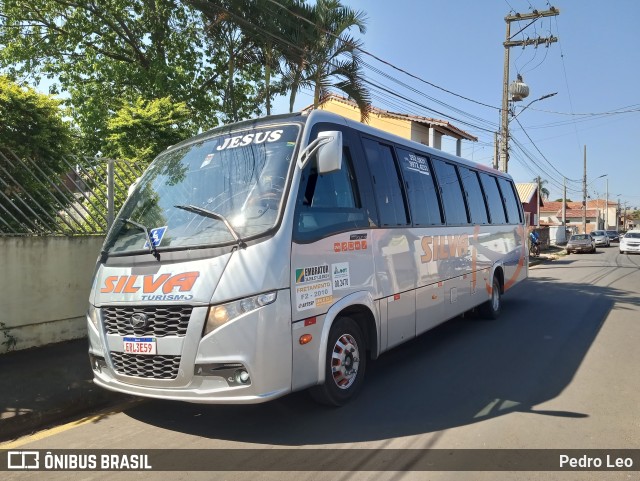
(36, 200)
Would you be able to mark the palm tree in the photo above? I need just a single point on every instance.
(544, 192)
(300, 37)
(328, 57)
(245, 35)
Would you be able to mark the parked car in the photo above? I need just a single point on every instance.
(601, 238)
(581, 243)
(613, 235)
(630, 242)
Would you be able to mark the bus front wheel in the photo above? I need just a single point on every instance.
(345, 364)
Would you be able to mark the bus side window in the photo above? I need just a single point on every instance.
(510, 201)
(475, 199)
(422, 193)
(387, 184)
(336, 189)
(494, 199)
(328, 203)
(455, 212)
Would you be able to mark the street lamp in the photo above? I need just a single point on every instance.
(532, 102)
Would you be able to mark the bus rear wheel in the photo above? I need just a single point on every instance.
(345, 364)
(492, 308)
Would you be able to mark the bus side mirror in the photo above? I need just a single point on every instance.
(330, 152)
(328, 149)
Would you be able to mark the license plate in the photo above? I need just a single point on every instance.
(140, 345)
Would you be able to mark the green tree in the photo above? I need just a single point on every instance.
(136, 134)
(142, 129)
(249, 37)
(306, 46)
(32, 123)
(34, 137)
(102, 56)
(334, 59)
(300, 39)
(544, 192)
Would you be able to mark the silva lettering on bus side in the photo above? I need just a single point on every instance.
(444, 247)
(252, 138)
(169, 285)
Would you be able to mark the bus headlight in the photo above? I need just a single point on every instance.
(92, 314)
(220, 315)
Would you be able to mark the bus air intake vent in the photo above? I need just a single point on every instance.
(160, 321)
(152, 367)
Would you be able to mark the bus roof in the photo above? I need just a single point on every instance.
(317, 116)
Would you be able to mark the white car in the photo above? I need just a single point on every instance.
(630, 242)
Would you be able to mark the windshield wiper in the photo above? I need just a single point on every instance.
(214, 215)
(152, 246)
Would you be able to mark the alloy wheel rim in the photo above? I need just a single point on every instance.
(345, 360)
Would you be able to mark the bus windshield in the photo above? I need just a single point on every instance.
(187, 194)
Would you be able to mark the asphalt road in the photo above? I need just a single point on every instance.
(558, 370)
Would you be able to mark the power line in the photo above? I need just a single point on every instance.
(419, 92)
(566, 81)
(425, 107)
(546, 160)
(382, 60)
(285, 42)
(622, 110)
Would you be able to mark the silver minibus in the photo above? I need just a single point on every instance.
(284, 253)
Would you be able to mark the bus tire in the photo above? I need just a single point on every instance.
(345, 364)
(491, 309)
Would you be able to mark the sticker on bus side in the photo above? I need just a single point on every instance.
(340, 275)
(312, 274)
(311, 296)
(357, 245)
(417, 163)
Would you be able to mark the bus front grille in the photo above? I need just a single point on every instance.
(152, 367)
(161, 321)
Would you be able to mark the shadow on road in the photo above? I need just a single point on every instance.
(465, 371)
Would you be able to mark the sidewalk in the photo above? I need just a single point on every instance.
(549, 253)
(46, 385)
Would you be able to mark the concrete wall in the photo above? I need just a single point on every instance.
(44, 288)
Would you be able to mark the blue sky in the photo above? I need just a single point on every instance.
(457, 45)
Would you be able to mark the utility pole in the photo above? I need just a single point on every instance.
(606, 208)
(538, 207)
(508, 43)
(584, 194)
(564, 204)
(496, 153)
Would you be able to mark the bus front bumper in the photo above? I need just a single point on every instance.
(246, 361)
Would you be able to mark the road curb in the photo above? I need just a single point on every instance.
(81, 399)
